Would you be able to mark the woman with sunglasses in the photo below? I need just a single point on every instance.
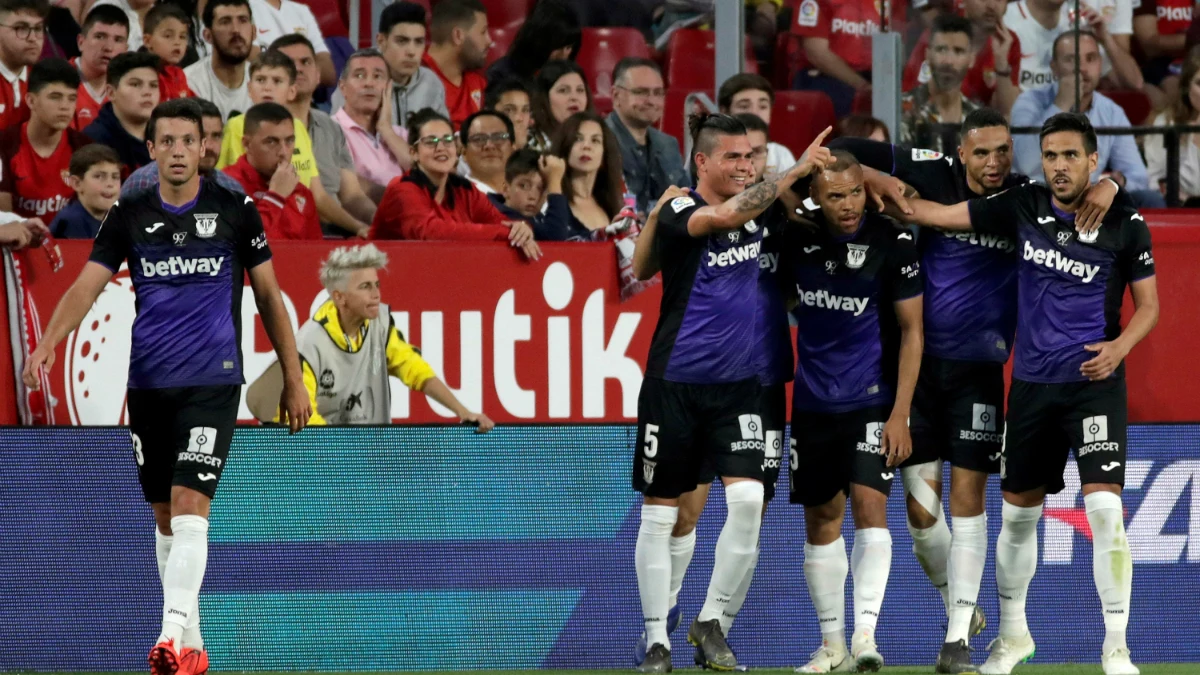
(432, 202)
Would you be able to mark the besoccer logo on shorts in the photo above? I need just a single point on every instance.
(874, 439)
(983, 417)
(752, 433)
(1095, 429)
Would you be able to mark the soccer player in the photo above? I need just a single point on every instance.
(970, 318)
(773, 352)
(188, 245)
(858, 283)
(103, 36)
(214, 132)
(699, 400)
(35, 157)
(1068, 388)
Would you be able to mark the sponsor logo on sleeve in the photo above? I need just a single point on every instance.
(680, 203)
(921, 155)
(807, 16)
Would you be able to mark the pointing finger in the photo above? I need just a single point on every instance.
(821, 137)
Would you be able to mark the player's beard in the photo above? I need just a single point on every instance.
(180, 182)
(1077, 190)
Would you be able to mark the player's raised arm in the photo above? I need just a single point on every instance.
(931, 214)
(722, 160)
(70, 311)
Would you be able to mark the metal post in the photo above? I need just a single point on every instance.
(355, 36)
(730, 25)
(1171, 143)
(886, 64)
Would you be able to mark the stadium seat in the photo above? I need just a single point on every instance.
(1136, 104)
(599, 53)
(672, 119)
(781, 61)
(506, 12)
(862, 103)
(502, 37)
(798, 116)
(331, 17)
(691, 60)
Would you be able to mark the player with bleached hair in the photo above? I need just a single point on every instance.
(347, 353)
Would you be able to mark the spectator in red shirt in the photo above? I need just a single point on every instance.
(836, 36)
(988, 82)
(166, 32)
(265, 171)
(35, 157)
(1161, 27)
(560, 90)
(431, 202)
(22, 35)
(104, 35)
(459, 43)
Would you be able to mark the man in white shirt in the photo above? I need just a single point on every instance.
(136, 10)
(223, 76)
(275, 18)
(1037, 23)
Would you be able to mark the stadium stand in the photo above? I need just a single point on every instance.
(602, 48)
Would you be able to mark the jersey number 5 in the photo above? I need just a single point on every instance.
(650, 450)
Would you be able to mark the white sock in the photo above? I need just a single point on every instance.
(739, 597)
(183, 574)
(932, 548)
(652, 558)
(1016, 561)
(682, 549)
(825, 570)
(1111, 563)
(162, 549)
(871, 561)
(735, 547)
(968, 552)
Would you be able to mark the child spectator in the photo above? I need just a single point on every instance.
(533, 193)
(751, 93)
(431, 202)
(96, 180)
(35, 157)
(133, 94)
(265, 171)
(594, 187)
(272, 80)
(103, 36)
(166, 35)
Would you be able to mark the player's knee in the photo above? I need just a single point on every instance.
(188, 502)
(869, 507)
(162, 518)
(918, 516)
(823, 523)
(685, 524)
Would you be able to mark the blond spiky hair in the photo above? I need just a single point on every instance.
(344, 260)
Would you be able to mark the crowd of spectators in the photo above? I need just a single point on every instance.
(426, 137)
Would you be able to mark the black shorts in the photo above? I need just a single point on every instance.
(683, 426)
(1045, 421)
(829, 451)
(956, 414)
(772, 407)
(181, 437)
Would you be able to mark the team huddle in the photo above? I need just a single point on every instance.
(901, 343)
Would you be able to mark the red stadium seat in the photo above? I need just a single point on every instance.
(798, 116)
(505, 12)
(599, 53)
(781, 62)
(672, 120)
(691, 60)
(502, 38)
(331, 17)
(1137, 105)
(862, 103)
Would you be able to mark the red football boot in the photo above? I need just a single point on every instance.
(164, 659)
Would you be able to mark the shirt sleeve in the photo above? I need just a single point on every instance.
(1137, 256)
(1156, 155)
(555, 222)
(112, 246)
(1124, 156)
(673, 217)
(1027, 154)
(252, 240)
(812, 19)
(1000, 213)
(1145, 8)
(905, 268)
(405, 362)
(7, 180)
(231, 144)
(1121, 22)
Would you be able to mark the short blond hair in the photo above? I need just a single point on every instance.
(346, 259)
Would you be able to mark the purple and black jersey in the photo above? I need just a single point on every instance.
(970, 278)
(773, 348)
(706, 331)
(187, 266)
(848, 346)
(1070, 287)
